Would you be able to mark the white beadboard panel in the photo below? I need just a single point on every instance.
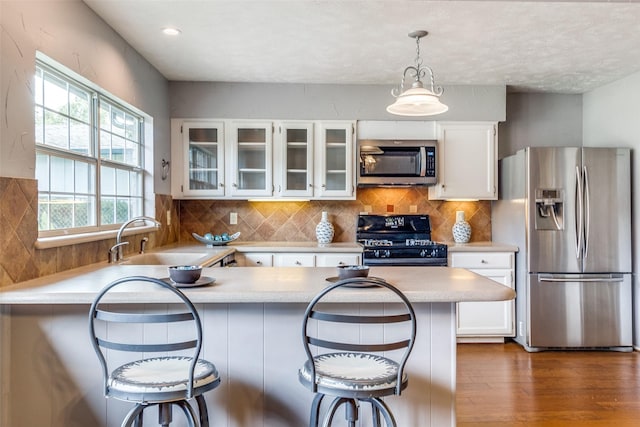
(287, 402)
(245, 402)
(256, 347)
(215, 349)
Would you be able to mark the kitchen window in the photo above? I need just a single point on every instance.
(89, 156)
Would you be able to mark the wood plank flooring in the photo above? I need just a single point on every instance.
(503, 385)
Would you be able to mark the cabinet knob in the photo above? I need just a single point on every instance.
(324, 186)
(310, 185)
(298, 263)
(221, 185)
(234, 185)
(484, 261)
(259, 262)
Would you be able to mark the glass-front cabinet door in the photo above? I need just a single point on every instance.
(295, 169)
(203, 151)
(335, 160)
(251, 170)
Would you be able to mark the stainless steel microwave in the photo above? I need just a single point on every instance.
(388, 162)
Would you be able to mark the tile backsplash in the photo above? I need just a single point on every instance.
(296, 221)
(257, 221)
(20, 260)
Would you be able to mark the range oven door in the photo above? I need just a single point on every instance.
(580, 310)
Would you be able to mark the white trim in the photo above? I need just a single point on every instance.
(57, 241)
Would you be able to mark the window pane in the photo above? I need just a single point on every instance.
(83, 178)
(80, 137)
(79, 104)
(39, 125)
(38, 87)
(56, 130)
(135, 179)
(43, 212)
(132, 128)
(62, 171)
(83, 211)
(42, 171)
(118, 121)
(55, 94)
(108, 181)
(105, 116)
(122, 182)
(131, 156)
(107, 210)
(122, 210)
(117, 148)
(61, 209)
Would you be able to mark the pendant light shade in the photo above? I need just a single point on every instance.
(417, 100)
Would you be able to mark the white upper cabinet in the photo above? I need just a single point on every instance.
(242, 159)
(335, 161)
(251, 153)
(467, 161)
(198, 158)
(294, 175)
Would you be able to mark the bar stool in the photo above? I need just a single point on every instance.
(170, 378)
(353, 371)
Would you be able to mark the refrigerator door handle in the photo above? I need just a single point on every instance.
(579, 214)
(586, 212)
(575, 279)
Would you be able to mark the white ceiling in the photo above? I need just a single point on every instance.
(551, 46)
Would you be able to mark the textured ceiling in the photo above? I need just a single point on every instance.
(551, 46)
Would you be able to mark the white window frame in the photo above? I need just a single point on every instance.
(144, 204)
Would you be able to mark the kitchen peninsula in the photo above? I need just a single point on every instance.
(251, 319)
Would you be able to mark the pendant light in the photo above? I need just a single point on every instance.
(417, 100)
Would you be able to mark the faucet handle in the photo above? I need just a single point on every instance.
(115, 253)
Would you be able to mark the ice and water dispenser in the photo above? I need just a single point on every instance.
(549, 209)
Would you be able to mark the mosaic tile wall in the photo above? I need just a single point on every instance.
(20, 260)
(296, 221)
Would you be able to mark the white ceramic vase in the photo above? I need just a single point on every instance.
(324, 230)
(461, 229)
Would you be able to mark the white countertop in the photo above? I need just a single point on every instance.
(257, 285)
(481, 247)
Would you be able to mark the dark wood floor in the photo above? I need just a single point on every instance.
(503, 385)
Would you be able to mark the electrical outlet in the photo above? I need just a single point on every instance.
(233, 218)
(169, 217)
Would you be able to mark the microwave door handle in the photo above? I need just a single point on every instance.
(423, 161)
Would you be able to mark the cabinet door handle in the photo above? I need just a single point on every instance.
(298, 263)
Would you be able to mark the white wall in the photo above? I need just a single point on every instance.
(612, 119)
(72, 34)
(540, 119)
(322, 101)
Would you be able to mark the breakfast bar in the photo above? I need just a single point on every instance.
(252, 332)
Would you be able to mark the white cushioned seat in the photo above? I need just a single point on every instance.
(353, 371)
(161, 374)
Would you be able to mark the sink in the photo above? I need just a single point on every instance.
(203, 259)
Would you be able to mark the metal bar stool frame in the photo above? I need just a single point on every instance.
(189, 387)
(351, 397)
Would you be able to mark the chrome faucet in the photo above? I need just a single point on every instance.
(115, 253)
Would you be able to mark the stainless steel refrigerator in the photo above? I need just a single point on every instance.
(568, 210)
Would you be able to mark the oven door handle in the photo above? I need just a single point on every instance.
(423, 161)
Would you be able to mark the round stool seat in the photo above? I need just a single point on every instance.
(353, 372)
(161, 375)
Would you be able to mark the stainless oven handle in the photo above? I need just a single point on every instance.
(423, 161)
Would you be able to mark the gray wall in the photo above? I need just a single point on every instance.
(70, 33)
(612, 119)
(540, 119)
(321, 102)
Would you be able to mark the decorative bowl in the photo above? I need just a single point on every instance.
(215, 240)
(349, 271)
(185, 273)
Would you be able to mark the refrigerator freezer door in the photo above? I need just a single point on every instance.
(552, 199)
(607, 178)
(580, 311)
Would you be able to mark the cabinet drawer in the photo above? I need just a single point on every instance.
(255, 260)
(334, 260)
(482, 260)
(294, 260)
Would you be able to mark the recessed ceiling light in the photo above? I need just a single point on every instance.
(170, 31)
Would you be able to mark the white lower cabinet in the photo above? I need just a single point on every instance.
(334, 260)
(254, 259)
(486, 321)
(296, 259)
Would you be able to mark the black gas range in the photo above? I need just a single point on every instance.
(399, 240)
